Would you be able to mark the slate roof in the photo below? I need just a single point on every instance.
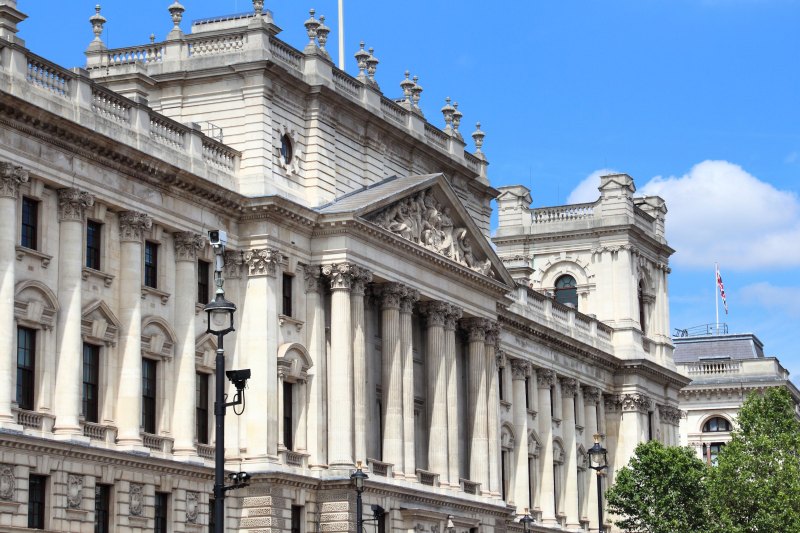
(739, 346)
(376, 193)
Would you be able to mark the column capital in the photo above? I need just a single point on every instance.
(408, 300)
(312, 274)
(262, 261)
(492, 332)
(545, 378)
(670, 415)
(361, 277)
(11, 177)
(519, 369)
(632, 402)
(452, 317)
(340, 275)
(187, 244)
(132, 225)
(391, 294)
(476, 328)
(435, 313)
(72, 202)
(569, 386)
(233, 261)
(591, 395)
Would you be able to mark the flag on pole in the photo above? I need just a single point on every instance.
(722, 291)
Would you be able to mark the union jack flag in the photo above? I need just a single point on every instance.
(722, 291)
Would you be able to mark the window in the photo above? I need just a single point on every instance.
(93, 240)
(528, 394)
(711, 452)
(212, 510)
(201, 395)
(531, 480)
(203, 269)
(286, 149)
(288, 279)
(29, 236)
(650, 426)
(149, 385)
(504, 474)
(716, 424)
(641, 307)
(552, 402)
(37, 493)
(297, 518)
(26, 367)
(288, 432)
(161, 512)
(151, 264)
(500, 390)
(566, 291)
(91, 381)
(102, 507)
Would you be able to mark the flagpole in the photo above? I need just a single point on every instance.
(716, 295)
(341, 34)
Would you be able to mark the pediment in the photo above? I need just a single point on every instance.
(98, 323)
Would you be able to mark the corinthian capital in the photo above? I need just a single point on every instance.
(262, 261)
(591, 395)
(475, 328)
(72, 202)
(11, 176)
(545, 378)
(492, 332)
(311, 274)
(519, 368)
(340, 275)
(435, 313)
(361, 277)
(452, 317)
(233, 264)
(569, 386)
(132, 225)
(187, 243)
(391, 294)
(408, 300)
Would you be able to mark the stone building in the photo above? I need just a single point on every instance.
(379, 322)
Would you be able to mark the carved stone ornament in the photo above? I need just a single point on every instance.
(569, 386)
(670, 415)
(423, 220)
(452, 317)
(187, 244)
(475, 328)
(136, 499)
(72, 202)
(340, 275)
(361, 277)
(74, 491)
(545, 378)
(492, 332)
(233, 264)
(132, 225)
(391, 295)
(262, 261)
(591, 395)
(11, 176)
(311, 274)
(519, 368)
(408, 300)
(8, 482)
(630, 402)
(192, 507)
(435, 313)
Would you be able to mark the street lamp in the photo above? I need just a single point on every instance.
(598, 461)
(358, 478)
(220, 323)
(526, 520)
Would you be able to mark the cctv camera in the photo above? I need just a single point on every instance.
(217, 238)
(238, 377)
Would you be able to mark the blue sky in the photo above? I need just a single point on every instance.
(696, 99)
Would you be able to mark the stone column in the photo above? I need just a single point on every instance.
(69, 345)
(545, 380)
(632, 426)
(187, 244)
(570, 493)
(452, 316)
(493, 408)
(591, 397)
(407, 350)
(392, 377)
(11, 176)
(281, 441)
(340, 423)
(315, 340)
(301, 438)
(435, 359)
(519, 369)
(132, 226)
(478, 393)
(360, 279)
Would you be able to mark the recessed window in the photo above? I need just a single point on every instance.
(30, 223)
(286, 149)
(716, 424)
(149, 385)
(203, 270)
(26, 367)
(102, 507)
(567, 291)
(91, 381)
(93, 241)
(161, 512)
(711, 452)
(500, 387)
(151, 264)
(641, 307)
(288, 281)
(201, 395)
(297, 517)
(288, 422)
(37, 501)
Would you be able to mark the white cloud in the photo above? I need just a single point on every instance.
(783, 300)
(718, 212)
(586, 191)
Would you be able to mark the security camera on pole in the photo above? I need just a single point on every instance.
(220, 323)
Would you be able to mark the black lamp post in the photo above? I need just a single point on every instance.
(358, 478)
(598, 459)
(220, 323)
(526, 520)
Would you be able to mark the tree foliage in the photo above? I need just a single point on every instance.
(755, 486)
(661, 490)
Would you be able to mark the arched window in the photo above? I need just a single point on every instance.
(641, 307)
(716, 424)
(286, 149)
(567, 291)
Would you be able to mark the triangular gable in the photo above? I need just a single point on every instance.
(98, 323)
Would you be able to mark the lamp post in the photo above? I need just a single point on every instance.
(526, 520)
(358, 478)
(220, 323)
(598, 459)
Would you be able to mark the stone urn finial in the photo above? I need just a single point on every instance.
(406, 85)
(416, 94)
(448, 111)
(176, 11)
(457, 120)
(362, 56)
(372, 67)
(322, 35)
(258, 7)
(478, 136)
(311, 25)
(97, 21)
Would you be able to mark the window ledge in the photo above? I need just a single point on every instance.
(505, 404)
(43, 257)
(87, 272)
(199, 308)
(155, 292)
(284, 319)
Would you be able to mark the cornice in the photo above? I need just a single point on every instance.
(643, 367)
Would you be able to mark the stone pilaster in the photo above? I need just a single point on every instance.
(187, 244)
(392, 376)
(478, 395)
(452, 316)
(493, 408)
(591, 399)
(361, 278)
(435, 359)
(569, 496)
(632, 409)
(11, 177)
(519, 370)
(545, 380)
(315, 341)
(407, 350)
(132, 225)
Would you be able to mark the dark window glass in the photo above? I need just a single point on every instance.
(503, 467)
(711, 452)
(30, 223)
(286, 149)
(287, 294)
(552, 402)
(531, 480)
(567, 291)
(716, 424)
(500, 383)
(93, 232)
(288, 432)
(161, 504)
(91, 381)
(26, 367)
(202, 281)
(201, 396)
(528, 394)
(641, 307)
(650, 428)
(297, 516)
(212, 509)
(151, 264)
(102, 507)
(37, 487)
(149, 395)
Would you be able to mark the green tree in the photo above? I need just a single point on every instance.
(661, 490)
(755, 486)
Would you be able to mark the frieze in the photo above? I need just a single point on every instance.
(11, 177)
(187, 244)
(425, 221)
(71, 204)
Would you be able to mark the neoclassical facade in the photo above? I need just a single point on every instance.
(379, 322)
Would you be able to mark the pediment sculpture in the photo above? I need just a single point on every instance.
(425, 221)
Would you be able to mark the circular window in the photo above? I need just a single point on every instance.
(286, 149)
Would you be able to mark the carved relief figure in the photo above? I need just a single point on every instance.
(74, 491)
(137, 499)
